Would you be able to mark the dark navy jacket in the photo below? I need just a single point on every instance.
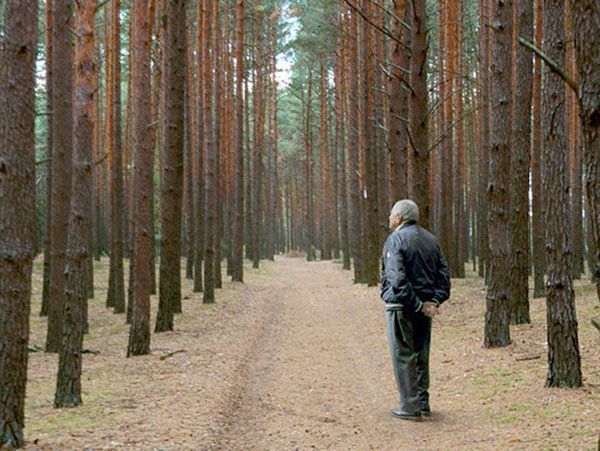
(414, 269)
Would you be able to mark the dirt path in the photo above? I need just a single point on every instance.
(297, 359)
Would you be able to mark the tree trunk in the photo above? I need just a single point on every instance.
(189, 154)
(352, 102)
(211, 160)
(238, 162)
(310, 221)
(419, 111)
(48, 198)
(370, 201)
(398, 88)
(340, 145)
(17, 209)
(497, 313)
(586, 21)
(564, 363)
(139, 335)
(326, 173)
(199, 199)
(62, 149)
(446, 118)
(519, 164)
(537, 228)
(116, 283)
(172, 177)
(68, 381)
(575, 150)
(484, 141)
(458, 197)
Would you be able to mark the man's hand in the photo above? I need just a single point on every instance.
(430, 309)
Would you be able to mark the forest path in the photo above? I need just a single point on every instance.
(297, 358)
(318, 375)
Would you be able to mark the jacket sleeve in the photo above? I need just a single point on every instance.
(395, 273)
(442, 280)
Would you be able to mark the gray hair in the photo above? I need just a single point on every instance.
(406, 209)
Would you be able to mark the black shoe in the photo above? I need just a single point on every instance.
(399, 413)
(426, 411)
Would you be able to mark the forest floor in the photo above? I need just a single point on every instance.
(297, 358)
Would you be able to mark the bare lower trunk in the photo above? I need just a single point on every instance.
(17, 209)
(520, 159)
(564, 362)
(497, 314)
(139, 335)
(68, 381)
(172, 177)
(62, 149)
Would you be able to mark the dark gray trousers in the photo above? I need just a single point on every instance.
(409, 335)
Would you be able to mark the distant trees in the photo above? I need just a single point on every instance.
(18, 42)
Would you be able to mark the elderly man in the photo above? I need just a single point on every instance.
(414, 282)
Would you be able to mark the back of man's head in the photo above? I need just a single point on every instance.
(407, 209)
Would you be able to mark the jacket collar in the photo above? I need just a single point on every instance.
(405, 224)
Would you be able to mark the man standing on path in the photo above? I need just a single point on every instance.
(414, 282)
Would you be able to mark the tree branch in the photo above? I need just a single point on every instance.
(551, 64)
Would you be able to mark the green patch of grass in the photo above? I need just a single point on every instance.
(520, 407)
(578, 433)
(509, 419)
(585, 288)
(480, 381)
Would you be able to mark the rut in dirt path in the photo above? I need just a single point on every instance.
(317, 374)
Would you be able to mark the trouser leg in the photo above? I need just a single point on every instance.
(404, 359)
(422, 341)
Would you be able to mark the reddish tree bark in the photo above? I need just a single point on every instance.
(139, 335)
(352, 103)
(419, 111)
(199, 195)
(116, 283)
(369, 166)
(238, 162)
(211, 160)
(68, 381)
(398, 88)
(484, 137)
(497, 314)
